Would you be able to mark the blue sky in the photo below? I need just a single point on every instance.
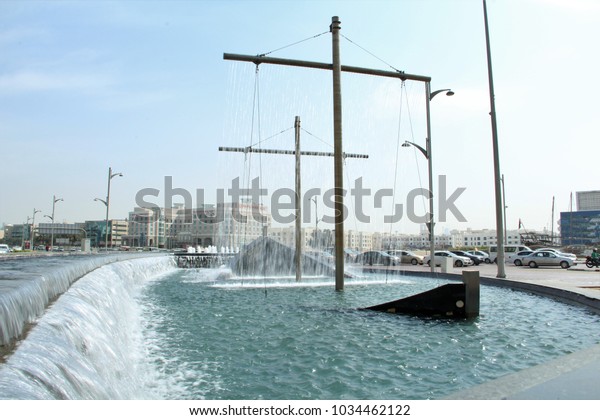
(142, 86)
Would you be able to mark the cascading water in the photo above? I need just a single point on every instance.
(88, 344)
(28, 285)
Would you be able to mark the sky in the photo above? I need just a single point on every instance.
(142, 87)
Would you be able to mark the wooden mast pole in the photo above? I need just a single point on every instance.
(298, 254)
(338, 161)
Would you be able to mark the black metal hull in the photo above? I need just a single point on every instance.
(445, 301)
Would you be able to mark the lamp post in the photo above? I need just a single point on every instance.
(33, 227)
(111, 175)
(23, 233)
(54, 201)
(427, 153)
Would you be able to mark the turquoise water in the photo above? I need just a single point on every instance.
(275, 339)
(143, 329)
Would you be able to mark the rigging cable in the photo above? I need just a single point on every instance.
(292, 44)
(402, 91)
(371, 54)
(412, 135)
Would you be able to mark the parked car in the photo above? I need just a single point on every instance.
(484, 255)
(567, 254)
(457, 260)
(508, 250)
(377, 258)
(517, 259)
(548, 258)
(475, 258)
(407, 257)
(4, 249)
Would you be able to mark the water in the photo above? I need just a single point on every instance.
(252, 339)
(141, 329)
(27, 285)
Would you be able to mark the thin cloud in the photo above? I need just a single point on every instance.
(32, 81)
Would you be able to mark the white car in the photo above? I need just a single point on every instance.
(4, 249)
(457, 260)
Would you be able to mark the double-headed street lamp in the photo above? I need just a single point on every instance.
(107, 203)
(33, 227)
(427, 153)
(54, 201)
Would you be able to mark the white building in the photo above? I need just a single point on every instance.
(287, 236)
(227, 225)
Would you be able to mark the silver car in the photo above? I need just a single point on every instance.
(548, 258)
(517, 259)
(568, 254)
(407, 257)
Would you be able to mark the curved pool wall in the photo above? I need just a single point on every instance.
(88, 344)
(27, 285)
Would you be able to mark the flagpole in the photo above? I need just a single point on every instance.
(497, 184)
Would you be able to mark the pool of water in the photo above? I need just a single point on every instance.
(278, 339)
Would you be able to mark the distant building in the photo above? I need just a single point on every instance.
(16, 234)
(226, 225)
(64, 233)
(588, 200)
(582, 227)
(287, 236)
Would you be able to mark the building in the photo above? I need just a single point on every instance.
(484, 238)
(582, 227)
(588, 200)
(240, 223)
(226, 225)
(96, 232)
(63, 233)
(146, 228)
(287, 236)
(17, 234)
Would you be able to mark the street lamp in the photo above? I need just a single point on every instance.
(33, 226)
(427, 153)
(23, 233)
(54, 201)
(449, 92)
(106, 227)
(107, 203)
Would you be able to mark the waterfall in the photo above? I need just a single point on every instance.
(28, 285)
(88, 345)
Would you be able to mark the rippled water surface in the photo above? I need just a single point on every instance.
(275, 339)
